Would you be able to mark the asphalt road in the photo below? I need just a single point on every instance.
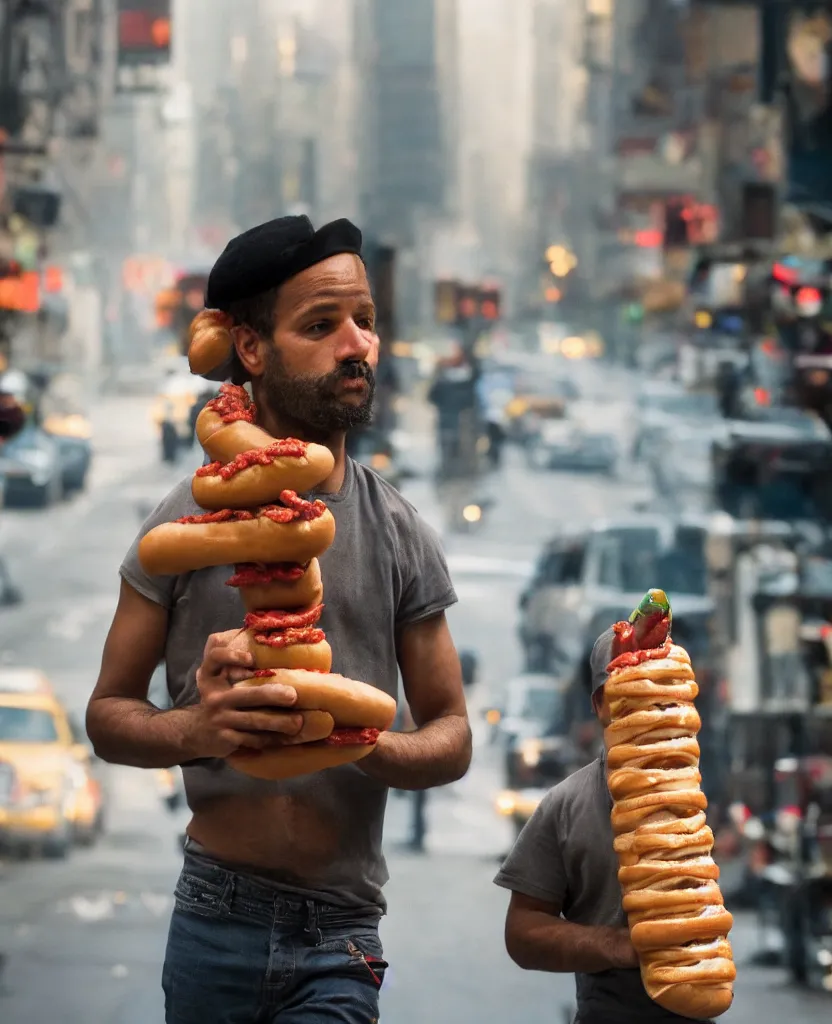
(82, 941)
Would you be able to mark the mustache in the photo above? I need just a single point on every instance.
(354, 371)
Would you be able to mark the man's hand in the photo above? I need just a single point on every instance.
(229, 717)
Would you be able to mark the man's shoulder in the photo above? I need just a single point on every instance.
(178, 502)
(384, 496)
(573, 789)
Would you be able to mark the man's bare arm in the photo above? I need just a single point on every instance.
(538, 939)
(124, 727)
(439, 751)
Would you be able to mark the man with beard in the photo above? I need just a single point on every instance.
(277, 908)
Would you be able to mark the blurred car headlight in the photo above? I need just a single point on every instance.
(530, 753)
(506, 804)
(380, 462)
(516, 408)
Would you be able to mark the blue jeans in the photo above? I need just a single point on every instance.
(242, 952)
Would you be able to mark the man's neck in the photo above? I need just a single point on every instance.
(284, 426)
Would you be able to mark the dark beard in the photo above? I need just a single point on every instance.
(313, 401)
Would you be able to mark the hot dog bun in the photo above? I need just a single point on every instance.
(351, 704)
(312, 657)
(317, 725)
(209, 340)
(258, 484)
(290, 761)
(174, 548)
(307, 592)
(669, 880)
(225, 441)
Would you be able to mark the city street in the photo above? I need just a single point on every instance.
(81, 942)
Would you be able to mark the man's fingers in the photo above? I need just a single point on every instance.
(221, 659)
(282, 722)
(249, 740)
(268, 695)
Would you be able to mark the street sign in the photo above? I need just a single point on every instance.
(144, 45)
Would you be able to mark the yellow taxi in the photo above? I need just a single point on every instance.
(49, 795)
(518, 805)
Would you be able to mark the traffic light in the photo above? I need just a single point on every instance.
(461, 304)
(144, 32)
(490, 303)
(10, 268)
(144, 45)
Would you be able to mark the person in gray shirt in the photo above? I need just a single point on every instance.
(565, 913)
(277, 907)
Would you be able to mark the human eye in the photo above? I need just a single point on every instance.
(318, 329)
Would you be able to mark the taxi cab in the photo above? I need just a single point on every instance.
(49, 795)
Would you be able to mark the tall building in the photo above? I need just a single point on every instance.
(409, 150)
(559, 171)
(407, 54)
(496, 44)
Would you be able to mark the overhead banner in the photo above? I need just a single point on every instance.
(144, 45)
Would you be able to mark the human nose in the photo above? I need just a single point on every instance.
(354, 344)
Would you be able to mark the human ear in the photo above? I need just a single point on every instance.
(251, 350)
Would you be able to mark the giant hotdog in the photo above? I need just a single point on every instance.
(287, 640)
(209, 340)
(287, 585)
(669, 881)
(274, 549)
(270, 534)
(356, 714)
(225, 427)
(254, 477)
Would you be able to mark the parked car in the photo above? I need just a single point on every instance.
(537, 398)
(586, 580)
(51, 794)
(665, 405)
(567, 445)
(31, 466)
(72, 434)
(528, 707)
(179, 401)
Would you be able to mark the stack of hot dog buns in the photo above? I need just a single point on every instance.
(257, 522)
(678, 923)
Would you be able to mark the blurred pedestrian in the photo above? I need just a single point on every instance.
(566, 914)
(277, 908)
(12, 417)
(453, 393)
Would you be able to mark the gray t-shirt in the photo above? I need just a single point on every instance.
(565, 856)
(384, 571)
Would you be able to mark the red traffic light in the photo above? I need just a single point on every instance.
(10, 268)
(490, 304)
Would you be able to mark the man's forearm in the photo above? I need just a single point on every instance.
(551, 944)
(138, 734)
(434, 755)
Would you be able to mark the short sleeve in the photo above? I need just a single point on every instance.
(427, 588)
(158, 589)
(534, 867)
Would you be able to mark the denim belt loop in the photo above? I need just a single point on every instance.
(312, 929)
